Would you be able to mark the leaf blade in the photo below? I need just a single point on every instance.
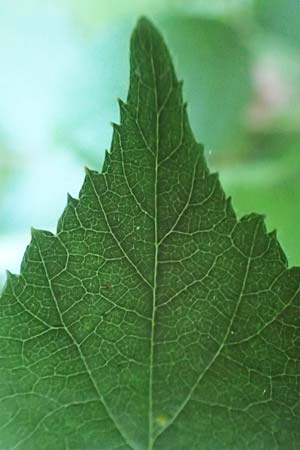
(150, 300)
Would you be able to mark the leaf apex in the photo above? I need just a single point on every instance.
(144, 23)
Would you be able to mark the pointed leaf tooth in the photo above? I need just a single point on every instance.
(71, 200)
(229, 208)
(11, 277)
(106, 161)
(87, 171)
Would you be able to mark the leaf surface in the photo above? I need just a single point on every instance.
(153, 319)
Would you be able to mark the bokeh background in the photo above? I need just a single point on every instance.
(64, 63)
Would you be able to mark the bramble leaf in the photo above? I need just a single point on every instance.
(153, 319)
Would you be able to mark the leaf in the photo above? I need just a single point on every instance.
(153, 319)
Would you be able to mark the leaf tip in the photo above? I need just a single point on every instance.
(145, 36)
(144, 23)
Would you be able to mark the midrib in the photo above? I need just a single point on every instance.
(154, 289)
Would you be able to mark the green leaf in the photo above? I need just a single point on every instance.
(153, 319)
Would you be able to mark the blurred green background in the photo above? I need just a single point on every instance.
(64, 63)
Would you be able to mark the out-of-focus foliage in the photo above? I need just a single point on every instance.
(64, 63)
(271, 186)
(7, 165)
(216, 8)
(280, 17)
(215, 66)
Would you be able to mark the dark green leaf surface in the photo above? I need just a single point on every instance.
(153, 319)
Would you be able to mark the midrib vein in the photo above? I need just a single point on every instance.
(154, 289)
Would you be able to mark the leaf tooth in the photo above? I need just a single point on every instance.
(121, 103)
(11, 277)
(71, 200)
(253, 217)
(90, 173)
(116, 136)
(273, 234)
(230, 212)
(279, 250)
(262, 221)
(37, 234)
(87, 171)
(215, 178)
(116, 127)
(34, 233)
(123, 110)
(106, 161)
(214, 175)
